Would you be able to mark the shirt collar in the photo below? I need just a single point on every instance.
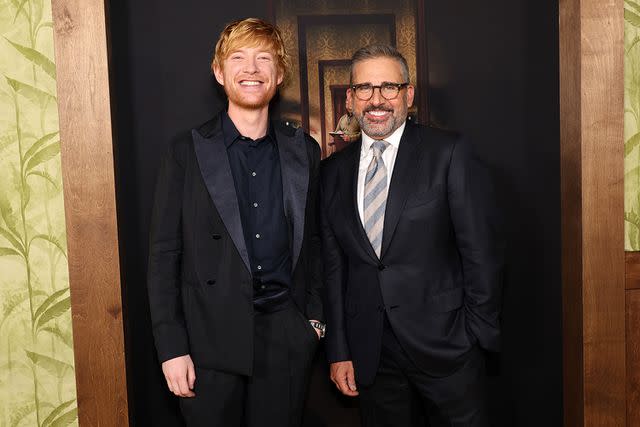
(393, 139)
(231, 133)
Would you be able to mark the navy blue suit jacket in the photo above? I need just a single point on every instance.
(439, 275)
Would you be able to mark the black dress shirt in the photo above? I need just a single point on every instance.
(255, 166)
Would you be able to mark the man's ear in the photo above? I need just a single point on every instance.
(410, 95)
(280, 76)
(217, 72)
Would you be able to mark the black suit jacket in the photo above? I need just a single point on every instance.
(438, 278)
(199, 278)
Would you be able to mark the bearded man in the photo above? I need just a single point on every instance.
(412, 260)
(234, 263)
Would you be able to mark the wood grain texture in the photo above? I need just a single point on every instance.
(88, 175)
(571, 208)
(632, 270)
(591, 81)
(633, 357)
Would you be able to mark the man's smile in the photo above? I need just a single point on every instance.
(250, 82)
(378, 115)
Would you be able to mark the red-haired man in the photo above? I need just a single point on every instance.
(234, 272)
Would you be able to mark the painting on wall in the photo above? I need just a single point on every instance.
(321, 36)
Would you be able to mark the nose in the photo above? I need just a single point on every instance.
(251, 66)
(376, 97)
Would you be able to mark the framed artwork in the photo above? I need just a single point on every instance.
(322, 35)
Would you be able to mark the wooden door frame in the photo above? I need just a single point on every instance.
(592, 173)
(84, 108)
(592, 189)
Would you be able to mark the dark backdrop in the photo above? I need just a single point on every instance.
(493, 70)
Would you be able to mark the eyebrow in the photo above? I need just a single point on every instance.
(242, 50)
(381, 83)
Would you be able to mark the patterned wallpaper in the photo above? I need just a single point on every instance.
(333, 41)
(632, 124)
(37, 377)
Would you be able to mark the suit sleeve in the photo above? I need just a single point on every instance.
(479, 243)
(314, 284)
(165, 256)
(334, 279)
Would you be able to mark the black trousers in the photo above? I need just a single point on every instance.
(274, 396)
(402, 395)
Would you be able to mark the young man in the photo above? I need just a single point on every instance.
(234, 271)
(412, 263)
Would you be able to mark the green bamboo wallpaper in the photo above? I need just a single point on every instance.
(632, 124)
(37, 381)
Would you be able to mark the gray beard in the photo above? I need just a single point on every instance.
(376, 132)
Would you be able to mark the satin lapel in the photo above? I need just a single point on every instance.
(294, 166)
(350, 196)
(216, 172)
(402, 181)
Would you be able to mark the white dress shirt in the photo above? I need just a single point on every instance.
(388, 156)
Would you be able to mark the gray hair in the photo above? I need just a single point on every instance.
(379, 51)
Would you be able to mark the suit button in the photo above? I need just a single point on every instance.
(211, 282)
(216, 236)
(381, 267)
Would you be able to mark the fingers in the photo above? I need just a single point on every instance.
(343, 376)
(169, 384)
(191, 376)
(351, 379)
(180, 375)
(183, 386)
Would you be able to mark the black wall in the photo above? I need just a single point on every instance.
(494, 76)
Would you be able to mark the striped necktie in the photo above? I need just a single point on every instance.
(375, 196)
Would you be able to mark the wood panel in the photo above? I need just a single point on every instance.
(571, 207)
(632, 270)
(633, 357)
(591, 97)
(88, 176)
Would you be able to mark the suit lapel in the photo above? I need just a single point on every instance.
(294, 166)
(216, 172)
(402, 180)
(350, 195)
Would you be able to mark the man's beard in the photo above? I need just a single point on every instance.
(379, 130)
(250, 104)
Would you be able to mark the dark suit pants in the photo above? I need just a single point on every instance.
(274, 395)
(455, 400)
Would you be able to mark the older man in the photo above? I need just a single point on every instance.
(413, 265)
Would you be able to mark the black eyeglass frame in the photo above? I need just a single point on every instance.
(398, 86)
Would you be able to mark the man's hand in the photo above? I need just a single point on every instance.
(180, 375)
(343, 376)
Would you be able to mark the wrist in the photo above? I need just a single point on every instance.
(319, 327)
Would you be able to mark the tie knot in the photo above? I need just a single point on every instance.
(379, 146)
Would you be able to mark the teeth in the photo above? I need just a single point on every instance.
(249, 83)
(377, 113)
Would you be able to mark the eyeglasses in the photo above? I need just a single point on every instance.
(389, 91)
